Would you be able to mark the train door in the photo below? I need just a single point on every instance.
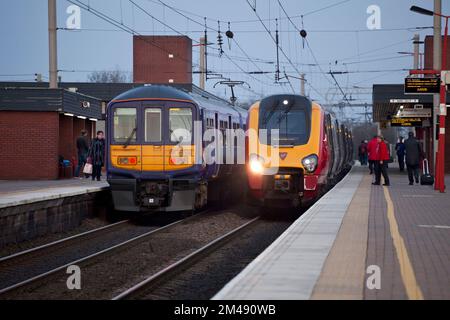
(179, 141)
(153, 149)
(330, 144)
(217, 146)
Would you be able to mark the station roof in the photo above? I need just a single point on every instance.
(108, 91)
(44, 99)
(384, 94)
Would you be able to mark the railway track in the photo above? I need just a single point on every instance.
(51, 283)
(158, 278)
(19, 263)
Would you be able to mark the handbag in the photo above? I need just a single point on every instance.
(87, 168)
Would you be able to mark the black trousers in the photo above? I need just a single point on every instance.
(413, 173)
(96, 172)
(401, 162)
(371, 166)
(381, 169)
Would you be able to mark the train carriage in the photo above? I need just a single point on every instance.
(153, 163)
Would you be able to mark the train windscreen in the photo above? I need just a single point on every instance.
(124, 127)
(290, 115)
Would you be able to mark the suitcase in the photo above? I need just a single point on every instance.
(426, 178)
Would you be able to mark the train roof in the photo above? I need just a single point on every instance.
(153, 91)
(209, 101)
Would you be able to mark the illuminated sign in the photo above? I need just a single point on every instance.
(414, 113)
(406, 122)
(422, 85)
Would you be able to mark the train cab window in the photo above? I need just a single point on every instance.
(153, 124)
(124, 128)
(180, 124)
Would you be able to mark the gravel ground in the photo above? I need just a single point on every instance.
(20, 269)
(107, 276)
(204, 279)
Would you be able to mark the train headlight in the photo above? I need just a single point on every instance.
(310, 163)
(256, 164)
(127, 161)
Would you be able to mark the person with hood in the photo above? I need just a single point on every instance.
(381, 162)
(413, 152)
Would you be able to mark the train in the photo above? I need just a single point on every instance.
(157, 137)
(312, 152)
(154, 143)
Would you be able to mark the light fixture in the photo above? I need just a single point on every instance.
(256, 164)
(93, 119)
(420, 10)
(285, 102)
(69, 114)
(81, 117)
(310, 163)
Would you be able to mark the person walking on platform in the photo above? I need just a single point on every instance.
(97, 155)
(362, 153)
(413, 152)
(381, 162)
(400, 148)
(371, 152)
(83, 149)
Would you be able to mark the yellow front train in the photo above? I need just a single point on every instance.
(310, 153)
(152, 163)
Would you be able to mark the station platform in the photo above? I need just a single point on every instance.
(359, 241)
(29, 209)
(13, 193)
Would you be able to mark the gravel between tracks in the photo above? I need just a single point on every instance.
(105, 277)
(205, 278)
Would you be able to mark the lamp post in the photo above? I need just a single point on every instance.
(440, 158)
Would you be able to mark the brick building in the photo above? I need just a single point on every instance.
(38, 126)
(162, 59)
(428, 63)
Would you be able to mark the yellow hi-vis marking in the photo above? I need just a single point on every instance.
(406, 270)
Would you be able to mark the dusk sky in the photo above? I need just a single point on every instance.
(338, 38)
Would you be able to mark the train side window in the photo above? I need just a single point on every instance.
(180, 124)
(153, 124)
(124, 125)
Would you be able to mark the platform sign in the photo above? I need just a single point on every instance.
(406, 122)
(422, 85)
(414, 113)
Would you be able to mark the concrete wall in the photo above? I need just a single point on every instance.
(28, 145)
(25, 222)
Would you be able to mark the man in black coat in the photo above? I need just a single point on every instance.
(83, 149)
(413, 152)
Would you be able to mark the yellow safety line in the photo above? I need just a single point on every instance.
(406, 270)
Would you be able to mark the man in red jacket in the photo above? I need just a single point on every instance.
(371, 151)
(381, 162)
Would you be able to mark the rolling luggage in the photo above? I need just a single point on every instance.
(426, 178)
